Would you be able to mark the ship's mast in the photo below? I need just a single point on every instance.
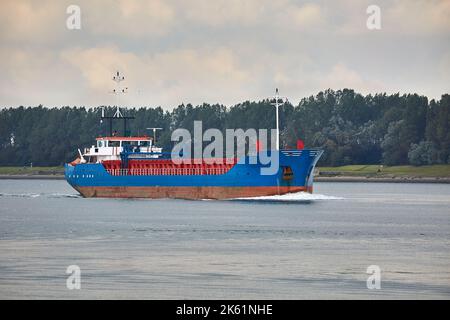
(154, 133)
(277, 105)
(117, 78)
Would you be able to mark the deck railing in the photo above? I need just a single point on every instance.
(167, 171)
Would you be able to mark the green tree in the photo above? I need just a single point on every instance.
(423, 153)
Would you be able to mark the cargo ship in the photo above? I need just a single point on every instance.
(134, 167)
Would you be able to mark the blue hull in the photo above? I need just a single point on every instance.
(93, 180)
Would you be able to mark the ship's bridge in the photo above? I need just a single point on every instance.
(144, 141)
(109, 148)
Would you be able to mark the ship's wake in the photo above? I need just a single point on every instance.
(299, 197)
(19, 195)
(304, 197)
(36, 195)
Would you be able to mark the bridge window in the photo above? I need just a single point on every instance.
(114, 143)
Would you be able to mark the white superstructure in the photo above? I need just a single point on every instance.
(109, 148)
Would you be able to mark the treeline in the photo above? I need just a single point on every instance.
(351, 128)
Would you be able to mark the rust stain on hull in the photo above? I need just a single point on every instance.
(187, 192)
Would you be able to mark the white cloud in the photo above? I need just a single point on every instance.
(31, 22)
(32, 78)
(443, 73)
(307, 16)
(398, 17)
(226, 51)
(418, 17)
(224, 12)
(130, 18)
(340, 77)
(163, 78)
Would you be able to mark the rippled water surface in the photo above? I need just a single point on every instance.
(297, 246)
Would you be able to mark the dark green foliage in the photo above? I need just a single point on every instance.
(423, 153)
(352, 128)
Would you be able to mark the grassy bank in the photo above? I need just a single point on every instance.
(31, 171)
(433, 171)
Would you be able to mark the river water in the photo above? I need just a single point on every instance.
(298, 246)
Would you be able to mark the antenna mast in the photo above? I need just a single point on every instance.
(277, 105)
(117, 78)
(154, 133)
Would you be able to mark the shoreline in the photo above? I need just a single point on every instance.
(319, 179)
(383, 179)
(31, 177)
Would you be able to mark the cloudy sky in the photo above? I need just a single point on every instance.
(218, 51)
